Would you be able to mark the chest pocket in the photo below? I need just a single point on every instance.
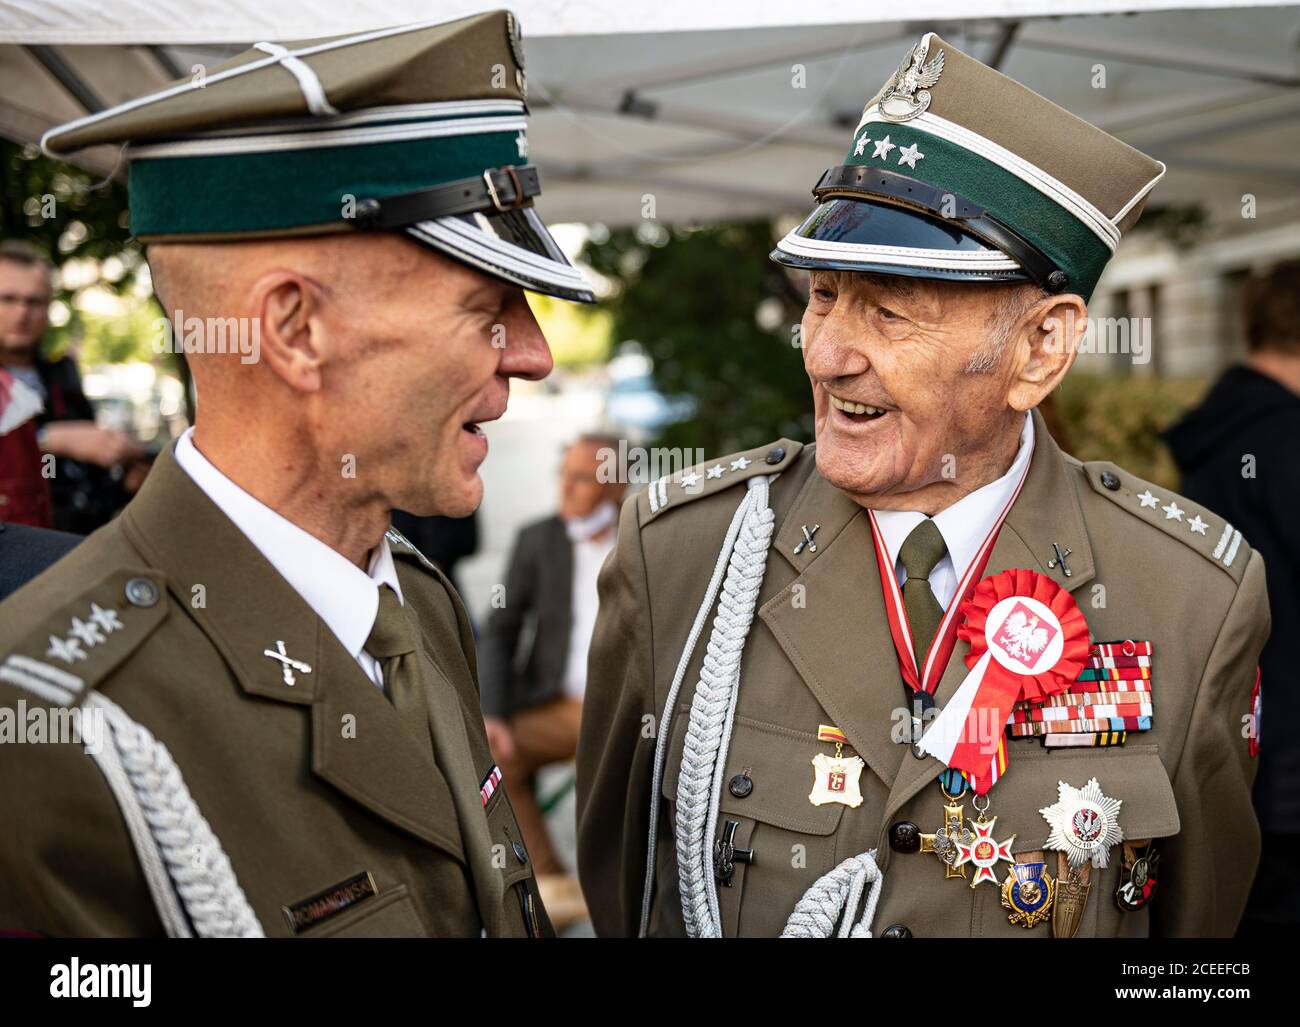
(1133, 774)
(765, 787)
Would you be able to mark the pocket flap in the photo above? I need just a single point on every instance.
(1133, 774)
(778, 762)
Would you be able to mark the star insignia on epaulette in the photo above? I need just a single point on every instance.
(740, 463)
(1197, 525)
(66, 649)
(1147, 499)
(716, 471)
(107, 620)
(1173, 512)
(689, 480)
(87, 633)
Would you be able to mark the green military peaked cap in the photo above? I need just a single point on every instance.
(417, 128)
(958, 172)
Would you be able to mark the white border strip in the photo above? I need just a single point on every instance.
(280, 142)
(906, 256)
(371, 115)
(1032, 174)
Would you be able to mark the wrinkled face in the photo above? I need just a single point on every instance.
(896, 408)
(580, 490)
(24, 307)
(423, 350)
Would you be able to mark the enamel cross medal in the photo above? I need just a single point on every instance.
(835, 778)
(982, 851)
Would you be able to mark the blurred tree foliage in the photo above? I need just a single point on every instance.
(1120, 420)
(718, 319)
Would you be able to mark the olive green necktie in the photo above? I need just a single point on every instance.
(919, 555)
(394, 644)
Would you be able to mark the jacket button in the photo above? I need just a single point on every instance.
(904, 837)
(1109, 481)
(520, 852)
(775, 456)
(740, 785)
(141, 592)
(896, 931)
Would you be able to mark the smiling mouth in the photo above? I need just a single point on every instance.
(856, 411)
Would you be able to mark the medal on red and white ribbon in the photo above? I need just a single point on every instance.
(921, 672)
(1028, 640)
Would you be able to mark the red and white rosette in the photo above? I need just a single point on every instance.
(1028, 640)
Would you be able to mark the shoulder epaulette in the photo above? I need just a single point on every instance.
(674, 490)
(81, 641)
(1175, 515)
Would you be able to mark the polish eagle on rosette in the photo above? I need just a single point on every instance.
(1028, 641)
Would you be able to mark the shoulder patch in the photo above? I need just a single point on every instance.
(81, 641)
(1175, 515)
(674, 490)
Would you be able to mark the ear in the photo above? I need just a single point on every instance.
(1047, 341)
(293, 343)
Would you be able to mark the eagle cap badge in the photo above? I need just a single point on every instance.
(907, 95)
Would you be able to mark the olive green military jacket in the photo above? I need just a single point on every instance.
(336, 821)
(819, 652)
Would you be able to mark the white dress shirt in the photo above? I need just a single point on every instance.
(963, 525)
(588, 557)
(344, 596)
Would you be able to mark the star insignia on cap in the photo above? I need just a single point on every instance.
(1172, 511)
(740, 463)
(883, 146)
(521, 141)
(716, 471)
(909, 155)
(66, 649)
(1197, 525)
(861, 145)
(1147, 499)
(689, 480)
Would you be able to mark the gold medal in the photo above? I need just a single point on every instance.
(835, 778)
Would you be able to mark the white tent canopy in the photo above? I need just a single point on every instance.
(728, 109)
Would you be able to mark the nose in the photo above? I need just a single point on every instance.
(526, 353)
(835, 348)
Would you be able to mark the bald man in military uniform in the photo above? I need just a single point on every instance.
(276, 693)
(930, 676)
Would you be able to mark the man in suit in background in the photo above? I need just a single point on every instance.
(533, 660)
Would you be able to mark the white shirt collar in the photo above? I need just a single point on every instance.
(965, 524)
(345, 597)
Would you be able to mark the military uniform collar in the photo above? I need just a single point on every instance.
(965, 524)
(340, 593)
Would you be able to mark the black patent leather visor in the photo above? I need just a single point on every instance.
(844, 234)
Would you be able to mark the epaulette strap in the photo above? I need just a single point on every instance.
(1192, 524)
(674, 490)
(81, 642)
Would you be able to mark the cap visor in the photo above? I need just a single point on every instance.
(513, 245)
(861, 235)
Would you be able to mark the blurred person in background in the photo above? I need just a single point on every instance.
(97, 468)
(1237, 454)
(24, 490)
(533, 659)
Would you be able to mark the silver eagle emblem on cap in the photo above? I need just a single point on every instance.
(908, 93)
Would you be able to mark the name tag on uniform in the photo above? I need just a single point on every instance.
(330, 902)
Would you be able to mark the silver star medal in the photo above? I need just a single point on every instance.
(908, 94)
(1084, 823)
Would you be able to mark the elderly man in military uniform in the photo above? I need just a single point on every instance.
(288, 739)
(934, 677)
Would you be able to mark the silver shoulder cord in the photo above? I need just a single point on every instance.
(194, 888)
(834, 896)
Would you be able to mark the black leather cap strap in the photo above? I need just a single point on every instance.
(497, 189)
(852, 181)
